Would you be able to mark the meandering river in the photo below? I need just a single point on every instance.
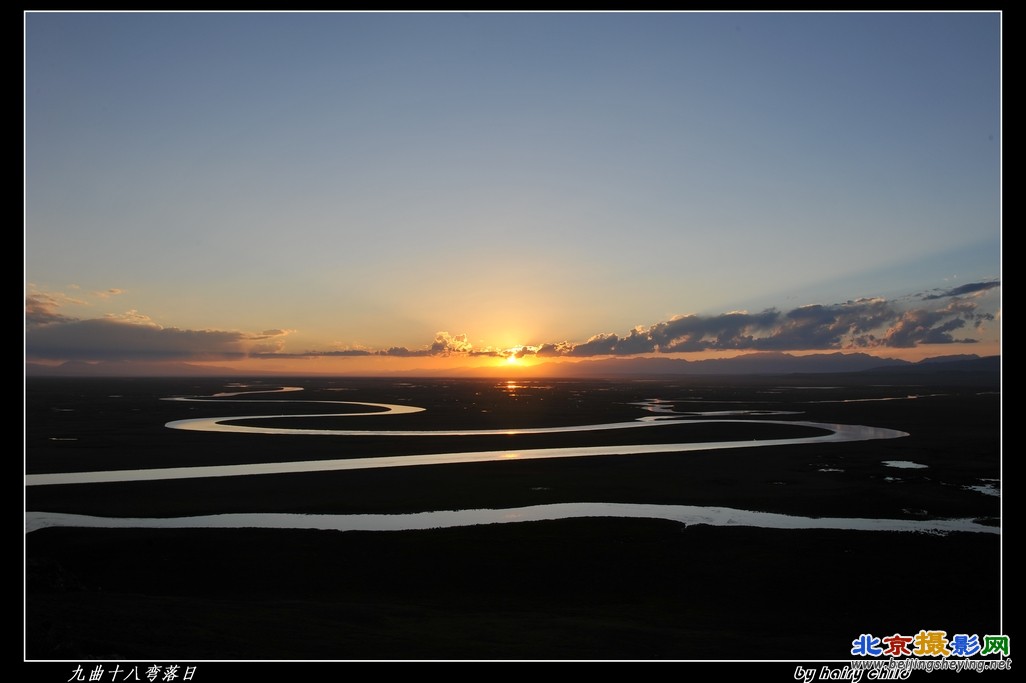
(664, 415)
(836, 433)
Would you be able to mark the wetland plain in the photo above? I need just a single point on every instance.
(904, 532)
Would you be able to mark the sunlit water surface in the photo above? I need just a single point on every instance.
(685, 514)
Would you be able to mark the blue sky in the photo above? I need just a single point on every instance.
(315, 183)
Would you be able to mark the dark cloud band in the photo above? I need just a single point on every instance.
(854, 324)
(962, 290)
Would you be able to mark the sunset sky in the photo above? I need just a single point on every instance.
(348, 192)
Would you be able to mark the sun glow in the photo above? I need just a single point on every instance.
(519, 356)
(515, 355)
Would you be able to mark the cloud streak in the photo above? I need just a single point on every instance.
(962, 290)
(131, 336)
(105, 339)
(41, 309)
(860, 324)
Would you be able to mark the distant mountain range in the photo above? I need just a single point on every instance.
(769, 363)
(748, 364)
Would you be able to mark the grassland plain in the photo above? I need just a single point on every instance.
(595, 588)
